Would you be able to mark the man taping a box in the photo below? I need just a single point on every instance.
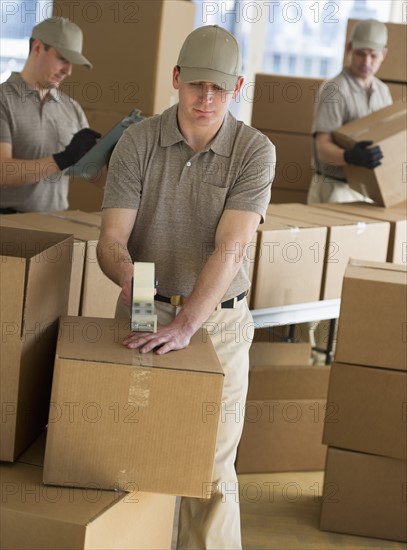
(187, 190)
(43, 131)
(354, 93)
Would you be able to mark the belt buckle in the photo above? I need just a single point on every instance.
(176, 300)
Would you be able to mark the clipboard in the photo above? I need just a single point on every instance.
(91, 163)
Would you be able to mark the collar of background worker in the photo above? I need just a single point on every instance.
(65, 37)
(369, 34)
(211, 54)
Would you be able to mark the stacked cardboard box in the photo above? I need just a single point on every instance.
(366, 470)
(133, 49)
(284, 413)
(283, 109)
(38, 517)
(396, 216)
(91, 292)
(34, 286)
(161, 413)
(347, 237)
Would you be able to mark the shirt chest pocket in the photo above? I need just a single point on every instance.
(210, 203)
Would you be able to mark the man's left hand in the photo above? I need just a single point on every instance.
(168, 338)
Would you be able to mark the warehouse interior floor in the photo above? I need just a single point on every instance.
(281, 511)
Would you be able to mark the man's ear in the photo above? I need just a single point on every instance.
(238, 86)
(175, 77)
(384, 52)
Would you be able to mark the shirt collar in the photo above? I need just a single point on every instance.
(221, 144)
(355, 85)
(23, 89)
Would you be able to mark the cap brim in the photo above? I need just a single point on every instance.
(225, 81)
(74, 57)
(367, 46)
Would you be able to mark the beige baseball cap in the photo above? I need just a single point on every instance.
(64, 36)
(211, 54)
(370, 34)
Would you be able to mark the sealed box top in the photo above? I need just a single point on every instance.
(376, 271)
(100, 340)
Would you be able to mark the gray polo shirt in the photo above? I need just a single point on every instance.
(340, 101)
(180, 195)
(36, 130)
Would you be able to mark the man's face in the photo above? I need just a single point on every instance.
(365, 63)
(53, 68)
(203, 103)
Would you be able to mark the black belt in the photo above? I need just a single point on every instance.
(342, 180)
(177, 300)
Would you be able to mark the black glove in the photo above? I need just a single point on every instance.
(80, 144)
(360, 155)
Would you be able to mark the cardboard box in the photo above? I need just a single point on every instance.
(398, 90)
(285, 255)
(347, 237)
(161, 412)
(279, 353)
(369, 410)
(394, 67)
(279, 196)
(364, 495)
(34, 286)
(39, 517)
(88, 282)
(284, 103)
(386, 184)
(284, 417)
(293, 168)
(373, 316)
(150, 34)
(397, 249)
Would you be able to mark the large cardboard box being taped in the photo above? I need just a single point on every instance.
(284, 416)
(34, 287)
(394, 67)
(88, 283)
(39, 517)
(285, 255)
(370, 410)
(347, 237)
(364, 495)
(373, 316)
(284, 103)
(293, 167)
(151, 35)
(136, 419)
(387, 128)
(397, 249)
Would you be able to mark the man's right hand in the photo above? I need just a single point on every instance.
(363, 155)
(79, 145)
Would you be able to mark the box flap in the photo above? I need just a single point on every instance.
(364, 210)
(85, 218)
(380, 266)
(97, 339)
(46, 222)
(25, 243)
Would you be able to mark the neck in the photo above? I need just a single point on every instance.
(197, 137)
(29, 78)
(364, 82)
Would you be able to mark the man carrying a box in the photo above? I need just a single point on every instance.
(354, 93)
(187, 190)
(42, 130)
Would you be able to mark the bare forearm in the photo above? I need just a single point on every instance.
(114, 260)
(330, 153)
(17, 172)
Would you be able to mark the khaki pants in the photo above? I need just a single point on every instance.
(214, 523)
(326, 189)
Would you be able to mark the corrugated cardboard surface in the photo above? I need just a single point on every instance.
(373, 316)
(160, 412)
(37, 517)
(284, 103)
(284, 418)
(347, 237)
(364, 495)
(387, 128)
(279, 353)
(293, 167)
(279, 195)
(131, 52)
(394, 67)
(285, 255)
(34, 286)
(397, 249)
(398, 90)
(369, 408)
